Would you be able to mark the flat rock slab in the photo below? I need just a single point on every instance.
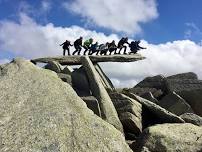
(76, 60)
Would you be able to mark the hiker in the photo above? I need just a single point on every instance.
(94, 49)
(87, 44)
(121, 45)
(78, 46)
(112, 47)
(65, 47)
(134, 46)
(103, 48)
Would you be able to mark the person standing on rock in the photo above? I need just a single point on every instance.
(65, 47)
(134, 46)
(78, 46)
(112, 47)
(121, 45)
(94, 49)
(87, 44)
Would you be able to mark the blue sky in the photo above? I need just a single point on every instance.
(169, 29)
(170, 25)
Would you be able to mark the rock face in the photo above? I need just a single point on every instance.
(194, 98)
(192, 118)
(172, 137)
(129, 111)
(188, 75)
(80, 82)
(107, 108)
(160, 115)
(175, 104)
(39, 112)
(54, 66)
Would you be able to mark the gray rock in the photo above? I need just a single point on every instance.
(194, 99)
(131, 123)
(157, 82)
(192, 118)
(188, 75)
(179, 85)
(162, 114)
(54, 66)
(39, 112)
(67, 70)
(92, 104)
(175, 104)
(107, 82)
(142, 91)
(129, 111)
(65, 77)
(149, 96)
(107, 108)
(76, 60)
(172, 137)
(80, 82)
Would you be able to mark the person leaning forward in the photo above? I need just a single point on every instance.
(78, 45)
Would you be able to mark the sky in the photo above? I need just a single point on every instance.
(171, 31)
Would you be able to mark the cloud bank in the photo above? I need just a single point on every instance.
(118, 15)
(28, 39)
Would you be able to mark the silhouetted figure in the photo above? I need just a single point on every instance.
(121, 45)
(94, 49)
(112, 47)
(103, 48)
(65, 47)
(87, 44)
(134, 46)
(78, 46)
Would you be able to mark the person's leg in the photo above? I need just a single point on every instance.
(79, 50)
(63, 52)
(76, 50)
(68, 51)
(86, 49)
(125, 47)
(120, 50)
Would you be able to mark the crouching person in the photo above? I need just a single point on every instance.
(134, 46)
(94, 49)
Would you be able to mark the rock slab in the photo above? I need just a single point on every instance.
(39, 112)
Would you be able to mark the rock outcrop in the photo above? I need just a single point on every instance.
(172, 137)
(39, 112)
(192, 118)
(108, 111)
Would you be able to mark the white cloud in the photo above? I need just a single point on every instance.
(118, 15)
(28, 39)
(46, 5)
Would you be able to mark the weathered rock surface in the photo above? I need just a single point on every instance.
(175, 104)
(129, 111)
(54, 66)
(76, 60)
(107, 108)
(179, 85)
(80, 82)
(142, 91)
(149, 96)
(41, 113)
(157, 82)
(65, 77)
(161, 114)
(194, 99)
(188, 75)
(192, 118)
(92, 104)
(67, 70)
(172, 137)
(131, 123)
(107, 82)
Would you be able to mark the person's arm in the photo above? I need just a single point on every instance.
(62, 44)
(141, 47)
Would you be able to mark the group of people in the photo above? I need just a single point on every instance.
(101, 49)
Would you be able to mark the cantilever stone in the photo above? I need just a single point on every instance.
(76, 60)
